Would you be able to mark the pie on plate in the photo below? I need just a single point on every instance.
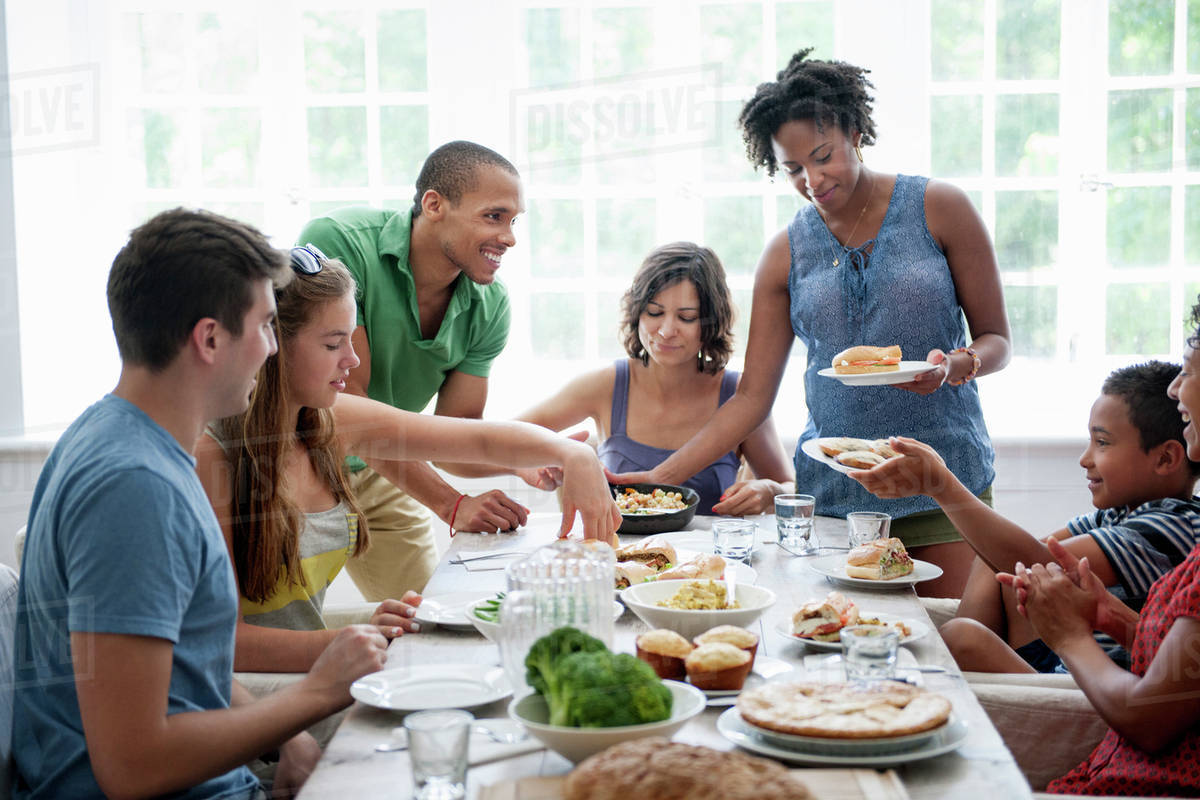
(842, 710)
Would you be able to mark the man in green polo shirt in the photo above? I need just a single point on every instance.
(431, 318)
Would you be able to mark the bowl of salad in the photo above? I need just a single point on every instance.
(655, 507)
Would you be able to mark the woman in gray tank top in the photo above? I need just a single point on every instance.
(875, 259)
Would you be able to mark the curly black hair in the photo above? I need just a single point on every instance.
(1193, 341)
(1143, 387)
(825, 91)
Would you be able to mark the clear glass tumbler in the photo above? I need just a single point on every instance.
(437, 747)
(869, 652)
(733, 538)
(794, 522)
(866, 526)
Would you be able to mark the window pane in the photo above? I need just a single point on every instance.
(252, 213)
(403, 142)
(159, 43)
(956, 40)
(625, 235)
(1191, 295)
(1139, 226)
(956, 149)
(1135, 323)
(156, 139)
(557, 325)
(334, 52)
(725, 156)
(733, 229)
(623, 41)
(1032, 318)
(1192, 127)
(1026, 229)
(319, 208)
(1139, 131)
(402, 51)
(1191, 225)
(1193, 36)
(556, 234)
(800, 25)
(337, 146)
(552, 36)
(786, 208)
(1141, 36)
(609, 336)
(1027, 34)
(624, 130)
(732, 37)
(226, 54)
(1027, 134)
(742, 300)
(231, 141)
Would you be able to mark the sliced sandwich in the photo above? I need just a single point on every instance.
(879, 560)
(864, 359)
(655, 553)
(628, 573)
(705, 566)
(823, 619)
(860, 459)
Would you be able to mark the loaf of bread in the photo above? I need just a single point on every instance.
(663, 770)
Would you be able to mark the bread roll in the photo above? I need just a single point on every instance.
(864, 358)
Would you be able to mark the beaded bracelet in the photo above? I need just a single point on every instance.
(454, 513)
(974, 366)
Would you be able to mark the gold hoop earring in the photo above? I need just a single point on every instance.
(858, 152)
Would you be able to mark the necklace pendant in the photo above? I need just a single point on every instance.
(836, 261)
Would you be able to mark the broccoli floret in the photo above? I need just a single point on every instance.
(542, 659)
(604, 690)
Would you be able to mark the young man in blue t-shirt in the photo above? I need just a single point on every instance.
(127, 604)
(1145, 524)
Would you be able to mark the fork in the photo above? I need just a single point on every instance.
(497, 554)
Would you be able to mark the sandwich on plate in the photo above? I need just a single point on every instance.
(823, 619)
(879, 560)
(654, 553)
(864, 359)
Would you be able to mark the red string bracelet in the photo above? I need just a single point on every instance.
(454, 513)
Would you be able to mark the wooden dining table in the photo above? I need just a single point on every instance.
(352, 768)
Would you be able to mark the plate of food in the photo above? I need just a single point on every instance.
(484, 614)
(847, 453)
(889, 720)
(864, 365)
(427, 686)
(878, 564)
(658, 559)
(818, 623)
(654, 507)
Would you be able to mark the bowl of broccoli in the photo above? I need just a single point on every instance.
(587, 698)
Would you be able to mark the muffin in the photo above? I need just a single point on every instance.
(731, 634)
(665, 651)
(718, 666)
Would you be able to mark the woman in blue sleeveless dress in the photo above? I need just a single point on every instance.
(676, 327)
(876, 259)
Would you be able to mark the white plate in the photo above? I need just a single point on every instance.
(908, 370)
(447, 610)
(918, 628)
(765, 669)
(947, 739)
(813, 450)
(834, 568)
(432, 686)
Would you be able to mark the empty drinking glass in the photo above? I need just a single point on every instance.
(869, 652)
(734, 538)
(794, 522)
(437, 746)
(866, 526)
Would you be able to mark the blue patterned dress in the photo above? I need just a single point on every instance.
(904, 295)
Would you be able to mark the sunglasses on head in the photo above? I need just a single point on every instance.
(307, 260)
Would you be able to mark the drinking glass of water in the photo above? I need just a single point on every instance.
(869, 652)
(794, 522)
(734, 538)
(437, 745)
(867, 526)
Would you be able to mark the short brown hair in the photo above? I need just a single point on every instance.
(665, 266)
(178, 268)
